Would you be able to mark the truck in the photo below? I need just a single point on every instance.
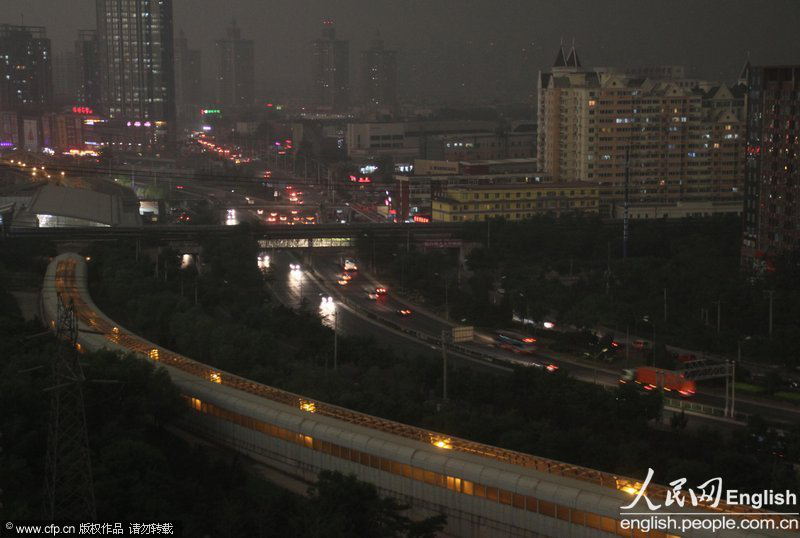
(650, 378)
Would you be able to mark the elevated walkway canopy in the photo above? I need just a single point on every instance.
(56, 206)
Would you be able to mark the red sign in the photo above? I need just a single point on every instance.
(422, 218)
(83, 110)
(360, 179)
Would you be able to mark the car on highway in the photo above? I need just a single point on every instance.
(518, 343)
(380, 291)
(346, 276)
(404, 312)
(604, 355)
(372, 295)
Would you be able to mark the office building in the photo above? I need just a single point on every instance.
(136, 60)
(772, 181)
(26, 77)
(235, 69)
(515, 141)
(414, 139)
(65, 78)
(88, 68)
(188, 79)
(379, 77)
(414, 193)
(680, 139)
(331, 70)
(515, 201)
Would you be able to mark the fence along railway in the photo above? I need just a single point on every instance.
(483, 490)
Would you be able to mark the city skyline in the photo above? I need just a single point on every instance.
(431, 39)
(400, 268)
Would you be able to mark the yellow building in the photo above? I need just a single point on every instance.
(515, 202)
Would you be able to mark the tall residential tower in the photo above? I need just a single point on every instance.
(188, 78)
(26, 76)
(772, 182)
(136, 59)
(331, 70)
(86, 52)
(236, 69)
(680, 139)
(379, 76)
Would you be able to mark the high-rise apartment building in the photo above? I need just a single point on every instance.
(65, 78)
(188, 77)
(379, 76)
(88, 67)
(136, 59)
(26, 79)
(236, 69)
(331, 70)
(772, 182)
(680, 139)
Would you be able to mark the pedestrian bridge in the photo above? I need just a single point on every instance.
(483, 490)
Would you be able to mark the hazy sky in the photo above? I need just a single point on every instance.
(710, 37)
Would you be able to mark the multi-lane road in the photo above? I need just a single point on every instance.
(318, 279)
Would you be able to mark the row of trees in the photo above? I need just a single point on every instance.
(143, 469)
(237, 327)
(572, 269)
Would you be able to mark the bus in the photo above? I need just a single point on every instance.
(515, 342)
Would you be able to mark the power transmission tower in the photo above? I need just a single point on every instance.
(69, 487)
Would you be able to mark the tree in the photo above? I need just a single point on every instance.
(342, 506)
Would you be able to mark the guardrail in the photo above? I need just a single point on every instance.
(704, 409)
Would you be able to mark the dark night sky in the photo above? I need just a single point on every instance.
(448, 43)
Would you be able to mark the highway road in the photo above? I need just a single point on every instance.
(328, 270)
(292, 287)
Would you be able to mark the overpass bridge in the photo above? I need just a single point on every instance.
(262, 231)
(483, 490)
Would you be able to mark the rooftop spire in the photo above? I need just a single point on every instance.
(573, 60)
(560, 61)
(745, 69)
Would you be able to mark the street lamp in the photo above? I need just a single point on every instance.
(646, 319)
(446, 304)
(730, 379)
